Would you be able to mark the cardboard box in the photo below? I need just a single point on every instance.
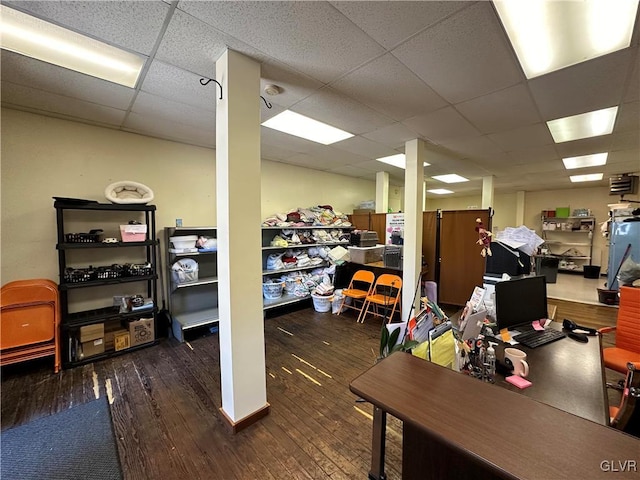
(122, 340)
(92, 347)
(141, 331)
(364, 255)
(110, 338)
(91, 332)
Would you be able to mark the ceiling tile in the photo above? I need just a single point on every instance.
(319, 41)
(472, 147)
(581, 88)
(389, 87)
(390, 23)
(364, 147)
(195, 46)
(502, 110)
(273, 152)
(533, 155)
(585, 146)
(340, 111)
(628, 119)
(295, 86)
(463, 57)
(525, 137)
(442, 125)
(133, 25)
(155, 126)
(66, 107)
(179, 85)
(623, 141)
(163, 108)
(395, 136)
(633, 87)
(28, 72)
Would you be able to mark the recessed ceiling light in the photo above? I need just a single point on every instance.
(585, 125)
(440, 191)
(35, 38)
(307, 128)
(592, 160)
(399, 160)
(450, 178)
(548, 36)
(592, 177)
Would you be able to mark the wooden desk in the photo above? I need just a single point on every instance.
(565, 374)
(458, 427)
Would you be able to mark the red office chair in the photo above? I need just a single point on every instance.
(627, 330)
(386, 293)
(626, 416)
(360, 286)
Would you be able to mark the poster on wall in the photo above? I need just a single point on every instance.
(394, 233)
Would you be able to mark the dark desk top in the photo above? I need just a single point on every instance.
(504, 430)
(565, 374)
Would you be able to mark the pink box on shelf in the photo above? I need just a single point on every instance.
(133, 233)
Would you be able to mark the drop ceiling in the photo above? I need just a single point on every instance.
(387, 72)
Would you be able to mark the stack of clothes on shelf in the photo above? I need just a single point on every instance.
(321, 215)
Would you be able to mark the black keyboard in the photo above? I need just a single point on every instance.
(535, 338)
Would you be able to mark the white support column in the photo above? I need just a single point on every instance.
(487, 191)
(382, 192)
(415, 152)
(520, 207)
(242, 351)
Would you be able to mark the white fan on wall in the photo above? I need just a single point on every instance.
(128, 192)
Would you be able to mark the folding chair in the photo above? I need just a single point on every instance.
(386, 293)
(360, 286)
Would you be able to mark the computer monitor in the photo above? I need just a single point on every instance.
(520, 301)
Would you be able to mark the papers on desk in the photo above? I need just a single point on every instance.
(440, 346)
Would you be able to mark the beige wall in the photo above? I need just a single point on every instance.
(44, 157)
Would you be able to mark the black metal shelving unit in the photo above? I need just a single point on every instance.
(72, 322)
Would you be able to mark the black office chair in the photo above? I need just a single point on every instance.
(626, 417)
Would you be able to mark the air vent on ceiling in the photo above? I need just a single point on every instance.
(623, 184)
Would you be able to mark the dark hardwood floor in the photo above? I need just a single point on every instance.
(165, 400)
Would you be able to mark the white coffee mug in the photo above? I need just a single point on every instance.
(517, 360)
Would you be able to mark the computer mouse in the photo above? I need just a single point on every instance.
(580, 337)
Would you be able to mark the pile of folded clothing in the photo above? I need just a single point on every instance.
(321, 215)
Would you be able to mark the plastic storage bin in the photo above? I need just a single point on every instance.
(185, 270)
(272, 291)
(133, 233)
(592, 271)
(322, 303)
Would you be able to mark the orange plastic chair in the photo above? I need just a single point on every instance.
(386, 293)
(626, 416)
(356, 290)
(627, 330)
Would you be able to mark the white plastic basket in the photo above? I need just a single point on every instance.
(271, 291)
(322, 303)
(184, 270)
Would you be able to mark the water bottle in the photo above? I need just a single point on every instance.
(491, 362)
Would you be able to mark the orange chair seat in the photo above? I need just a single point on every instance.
(355, 293)
(380, 299)
(617, 358)
(613, 411)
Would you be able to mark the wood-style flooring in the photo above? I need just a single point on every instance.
(165, 401)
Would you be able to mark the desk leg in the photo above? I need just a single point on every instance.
(378, 444)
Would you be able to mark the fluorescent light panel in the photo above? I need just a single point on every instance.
(592, 177)
(399, 160)
(550, 35)
(585, 125)
(307, 128)
(35, 38)
(440, 191)
(584, 161)
(450, 178)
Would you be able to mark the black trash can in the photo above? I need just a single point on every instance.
(592, 271)
(548, 266)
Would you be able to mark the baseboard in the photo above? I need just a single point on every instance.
(235, 427)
